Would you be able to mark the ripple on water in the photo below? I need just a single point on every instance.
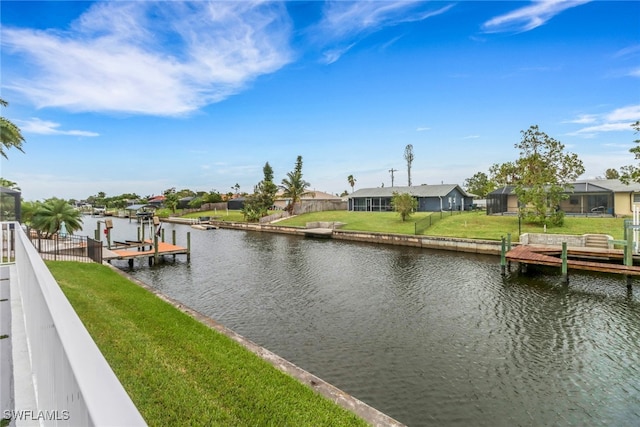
(431, 338)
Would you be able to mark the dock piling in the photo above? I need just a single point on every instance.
(565, 269)
(188, 246)
(503, 257)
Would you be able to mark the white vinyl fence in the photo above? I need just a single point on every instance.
(71, 377)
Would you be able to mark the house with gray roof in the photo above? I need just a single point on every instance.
(431, 198)
(592, 196)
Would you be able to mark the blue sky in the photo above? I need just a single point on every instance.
(120, 96)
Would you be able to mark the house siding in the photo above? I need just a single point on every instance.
(623, 203)
(454, 200)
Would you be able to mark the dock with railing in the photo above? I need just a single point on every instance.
(153, 250)
(601, 258)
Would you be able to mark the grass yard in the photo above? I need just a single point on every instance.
(478, 225)
(177, 370)
(469, 225)
(221, 215)
(381, 222)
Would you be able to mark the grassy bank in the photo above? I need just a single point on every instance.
(468, 225)
(178, 371)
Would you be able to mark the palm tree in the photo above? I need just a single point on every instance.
(49, 216)
(294, 187)
(352, 181)
(10, 135)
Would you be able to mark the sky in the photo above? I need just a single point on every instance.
(141, 96)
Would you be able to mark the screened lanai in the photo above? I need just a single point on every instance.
(588, 198)
(9, 204)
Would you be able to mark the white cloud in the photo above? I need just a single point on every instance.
(617, 120)
(45, 127)
(529, 17)
(332, 55)
(583, 119)
(422, 129)
(344, 23)
(630, 113)
(115, 58)
(605, 127)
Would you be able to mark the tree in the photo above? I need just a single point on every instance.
(258, 204)
(352, 181)
(404, 204)
(10, 135)
(9, 184)
(632, 173)
(212, 197)
(408, 156)
(171, 199)
(611, 174)
(545, 172)
(502, 174)
(48, 217)
(27, 211)
(479, 184)
(293, 186)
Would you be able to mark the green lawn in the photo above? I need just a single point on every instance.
(470, 225)
(220, 215)
(478, 225)
(177, 370)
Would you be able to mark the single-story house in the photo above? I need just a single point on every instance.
(183, 203)
(236, 204)
(156, 201)
(593, 196)
(431, 198)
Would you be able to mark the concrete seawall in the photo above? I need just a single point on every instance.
(490, 247)
(368, 413)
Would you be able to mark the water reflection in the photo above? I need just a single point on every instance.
(431, 338)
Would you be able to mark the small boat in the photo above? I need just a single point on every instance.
(204, 226)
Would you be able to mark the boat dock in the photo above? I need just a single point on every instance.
(591, 259)
(602, 260)
(153, 250)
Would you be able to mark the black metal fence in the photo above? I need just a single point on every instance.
(68, 248)
(424, 223)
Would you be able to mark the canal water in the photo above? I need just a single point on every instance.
(432, 338)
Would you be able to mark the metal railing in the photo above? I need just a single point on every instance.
(70, 375)
(68, 248)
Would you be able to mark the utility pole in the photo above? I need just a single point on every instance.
(392, 170)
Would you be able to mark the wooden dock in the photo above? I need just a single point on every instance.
(134, 250)
(589, 259)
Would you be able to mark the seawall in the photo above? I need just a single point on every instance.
(368, 413)
(490, 247)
